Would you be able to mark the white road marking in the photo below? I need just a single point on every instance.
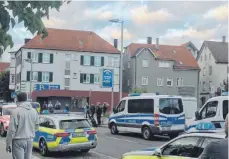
(122, 139)
(101, 154)
(33, 157)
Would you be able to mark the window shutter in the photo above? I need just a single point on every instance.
(28, 55)
(28, 76)
(102, 61)
(91, 78)
(81, 60)
(40, 56)
(92, 60)
(81, 78)
(51, 58)
(39, 76)
(50, 76)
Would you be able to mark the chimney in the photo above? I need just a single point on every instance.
(224, 39)
(116, 43)
(27, 40)
(149, 40)
(157, 43)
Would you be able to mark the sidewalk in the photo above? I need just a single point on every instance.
(3, 152)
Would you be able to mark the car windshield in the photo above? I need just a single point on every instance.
(74, 124)
(170, 105)
(7, 111)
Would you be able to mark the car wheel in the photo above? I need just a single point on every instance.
(113, 129)
(2, 131)
(146, 133)
(43, 147)
(85, 150)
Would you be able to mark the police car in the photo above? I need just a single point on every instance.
(64, 132)
(187, 145)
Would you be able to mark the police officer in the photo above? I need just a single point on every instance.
(105, 105)
(99, 112)
(92, 109)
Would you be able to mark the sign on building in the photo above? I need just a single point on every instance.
(40, 87)
(107, 78)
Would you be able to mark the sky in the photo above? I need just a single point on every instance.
(173, 22)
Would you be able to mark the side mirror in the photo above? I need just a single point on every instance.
(158, 153)
(197, 115)
(114, 110)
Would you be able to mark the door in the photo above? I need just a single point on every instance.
(120, 113)
(209, 112)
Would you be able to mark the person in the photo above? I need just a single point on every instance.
(50, 107)
(24, 122)
(86, 108)
(67, 107)
(92, 110)
(99, 112)
(57, 105)
(105, 105)
(217, 149)
(44, 107)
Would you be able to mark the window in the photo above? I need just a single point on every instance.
(141, 106)
(205, 57)
(12, 79)
(74, 57)
(170, 105)
(145, 63)
(210, 85)
(67, 68)
(46, 58)
(86, 78)
(97, 78)
(207, 140)
(209, 110)
(164, 64)
(159, 81)
(121, 106)
(97, 61)
(144, 80)
(115, 62)
(169, 82)
(68, 57)
(74, 124)
(210, 70)
(34, 57)
(45, 76)
(67, 82)
(128, 64)
(225, 109)
(203, 86)
(86, 60)
(179, 82)
(75, 75)
(186, 147)
(204, 71)
(34, 76)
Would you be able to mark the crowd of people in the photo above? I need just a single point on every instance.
(49, 106)
(99, 110)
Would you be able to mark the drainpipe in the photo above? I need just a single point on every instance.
(198, 89)
(135, 73)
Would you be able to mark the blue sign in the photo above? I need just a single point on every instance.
(107, 78)
(13, 95)
(40, 87)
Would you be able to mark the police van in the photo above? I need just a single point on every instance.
(149, 115)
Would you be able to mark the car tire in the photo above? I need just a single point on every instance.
(43, 148)
(2, 131)
(146, 133)
(113, 129)
(85, 150)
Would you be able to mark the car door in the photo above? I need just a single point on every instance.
(208, 113)
(183, 147)
(119, 115)
(205, 141)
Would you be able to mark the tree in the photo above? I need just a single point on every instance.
(139, 90)
(5, 93)
(29, 12)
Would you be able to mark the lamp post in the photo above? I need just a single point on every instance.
(31, 75)
(121, 57)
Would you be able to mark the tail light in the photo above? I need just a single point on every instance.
(91, 132)
(62, 134)
(156, 119)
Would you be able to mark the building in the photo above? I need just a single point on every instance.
(4, 66)
(213, 61)
(65, 60)
(192, 49)
(163, 69)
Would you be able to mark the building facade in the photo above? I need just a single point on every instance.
(160, 69)
(213, 61)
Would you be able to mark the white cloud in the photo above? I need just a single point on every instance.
(219, 13)
(102, 13)
(53, 22)
(142, 15)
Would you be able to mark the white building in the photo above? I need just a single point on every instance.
(70, 59)
(213, 61)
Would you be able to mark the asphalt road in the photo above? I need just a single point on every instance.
(109, 147)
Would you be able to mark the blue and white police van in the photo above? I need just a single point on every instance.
(149, 115)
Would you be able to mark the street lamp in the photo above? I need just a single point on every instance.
(31, 75)
(121, 57)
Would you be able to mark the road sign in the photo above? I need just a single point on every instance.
(107, 78)
(39, 87)
(13, 95)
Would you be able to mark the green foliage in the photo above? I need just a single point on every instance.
(28, 12)
(5, 93)
(139, 90)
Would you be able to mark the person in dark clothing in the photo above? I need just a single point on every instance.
(99, 112)
(92, 110)
(105, 105)
(45, 106)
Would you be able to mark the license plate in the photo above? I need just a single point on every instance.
(78, 134)
(165, 128)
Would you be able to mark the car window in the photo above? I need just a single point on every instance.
(74, 124)
(209, 110)
(42, 121)
(186, 147)
(51, 124)
(225, 109)
(206, 141)
(170, 105)
(121, 106)
(47, 123)
(141, 106)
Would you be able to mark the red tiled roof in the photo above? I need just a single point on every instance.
(71, 40)
(3, 66)
(179, 54)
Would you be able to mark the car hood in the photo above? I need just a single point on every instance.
(146, 151)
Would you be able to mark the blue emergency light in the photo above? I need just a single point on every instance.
(205, 126)
(134, 94)
(64, 111)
